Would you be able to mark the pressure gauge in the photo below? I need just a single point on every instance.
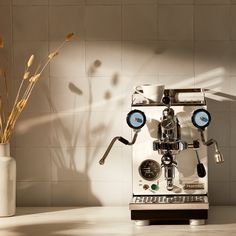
(150, 170)
(136, 119)
(201, 118)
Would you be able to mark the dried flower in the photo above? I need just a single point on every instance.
(53, 54)
(26, 75)
(34, 78)
(21, 105)
(69, 37)
(8, 119)
(30, 61)
(1, 42)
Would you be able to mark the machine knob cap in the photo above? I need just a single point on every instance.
(167, 159)
(166, 100)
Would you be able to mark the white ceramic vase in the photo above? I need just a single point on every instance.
(7, 182)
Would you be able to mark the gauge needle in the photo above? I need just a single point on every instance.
(203, 118)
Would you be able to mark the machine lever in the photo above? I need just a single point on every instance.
(122, 140)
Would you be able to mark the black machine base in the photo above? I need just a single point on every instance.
(169, 215)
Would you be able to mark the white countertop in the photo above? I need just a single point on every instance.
(101, 221)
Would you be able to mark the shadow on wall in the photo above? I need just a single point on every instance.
(83, 133)
(87, 133)
(212, 80)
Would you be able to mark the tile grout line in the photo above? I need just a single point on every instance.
(50, 95)
(194, 44)
(157, 39)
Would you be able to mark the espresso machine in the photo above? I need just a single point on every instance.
(169, 157)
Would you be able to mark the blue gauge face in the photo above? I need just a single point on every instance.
(136, 119)
(201, 118)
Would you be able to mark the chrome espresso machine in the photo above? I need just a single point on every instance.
(169, 161)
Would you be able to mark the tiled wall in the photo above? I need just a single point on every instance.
(82, 101)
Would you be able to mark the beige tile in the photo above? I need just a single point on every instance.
(218, 102)
(139, 22)
(105, 193)
(33, 130)
(103, 127)
(5, 23)
(113, 169)
(103, 22)
(66, 2)
(22, 53)
(6, 58)
(212, 22)
(5, 2)
(103, 58)
(170, 2)
(174, 82)
(127, 196)
(103, 2)
(69, 164)
(212, 59)
(232, 58)
(219, 128)
(30, 23)
(218, 89)
(70, 62)
(177, 27)
(33, 164)
(108, 94)
(219, 172)
(212, 2)
(66, 19)
(69, 94)
(175, 58)
(30, 2)
(232, 163)
(69, 130)
(85, 129)
(70, 193)
(140, 58)
(5, 33)
(219, 193)
(232, 193)
(232, 129)
(232, 93)
(127, 164)
(33, 194)
(135, 2)
(216, 83)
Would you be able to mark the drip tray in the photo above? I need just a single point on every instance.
(169, 202)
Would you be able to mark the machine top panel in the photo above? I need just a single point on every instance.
(179, 97)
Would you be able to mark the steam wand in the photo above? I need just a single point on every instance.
(218, 156)
(122, 140)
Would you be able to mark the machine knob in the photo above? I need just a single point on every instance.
(166, 100)
(167, 159)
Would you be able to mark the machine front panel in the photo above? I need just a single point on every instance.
(148, 175)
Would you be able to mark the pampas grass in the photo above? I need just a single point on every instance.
(28, 82)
